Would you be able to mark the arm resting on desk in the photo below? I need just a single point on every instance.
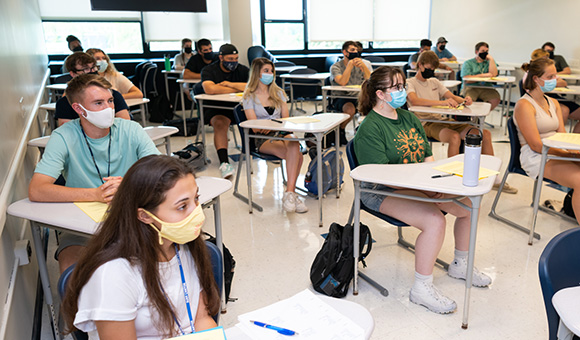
(43, 189)
(188, 74)
(212, 88)
(134, 93)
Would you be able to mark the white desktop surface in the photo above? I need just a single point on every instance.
(477, 109)
(188, 81)
(289, 68)
(567, 304)
(575, 90)
(315, 76)
(327, 121)
(224, 97)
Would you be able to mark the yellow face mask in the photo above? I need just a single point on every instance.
(180, 232)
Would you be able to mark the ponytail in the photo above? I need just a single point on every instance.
(380, 79)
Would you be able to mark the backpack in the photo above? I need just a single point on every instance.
(332, 269)
(229, 267)
(193, 154)
(190, 125)
(159, 109)
(329, 174)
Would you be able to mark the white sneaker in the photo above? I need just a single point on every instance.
(289, 202)
(458, 268)
(425, 294)
(300, 206)
(227, 170)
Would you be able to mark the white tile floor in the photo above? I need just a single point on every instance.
(274, 250)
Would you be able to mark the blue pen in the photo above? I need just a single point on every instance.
(280, 330)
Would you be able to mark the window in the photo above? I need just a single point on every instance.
(283, 25)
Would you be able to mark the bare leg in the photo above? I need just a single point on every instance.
(220, 125)
(567, 174)
(69, 256)
(453, 138)
(350, 110)
(289, 151)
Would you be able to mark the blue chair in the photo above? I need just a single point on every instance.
(353, 163)
(217, 268)
(559, 268)
(304, 89)
(514, 166)
(373, 59)
(240, 117)
(259, 51)
(329, 61)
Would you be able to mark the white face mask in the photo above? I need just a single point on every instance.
(102, 119)
(102, 64)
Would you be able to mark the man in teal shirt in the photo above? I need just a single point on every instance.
(92, 153)
(483, 66)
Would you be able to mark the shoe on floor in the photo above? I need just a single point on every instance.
(425, 294)
(300, 206)
(508, 189)
(458, 268)
(227, 170)
(289, 201)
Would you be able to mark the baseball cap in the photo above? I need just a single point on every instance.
(226, 49)
(441, 40)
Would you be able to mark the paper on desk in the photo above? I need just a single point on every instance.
(304, 313)
(238, 94)
(216, 333)
(571, 138)
(456, 168)
(353, 86)
(460, 107)
(485, 78)
(563, 89)
(95, 210)
(301, 120)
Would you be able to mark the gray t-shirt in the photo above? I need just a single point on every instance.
(560, 63)
(357, 76)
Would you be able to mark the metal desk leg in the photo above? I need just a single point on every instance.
(291, 98)
(201, 127)
(219, 242)
(324, 101)
(537, 193)
(248, 167)
(183, 114)
(168, 145)
(356, 234)
(319, 137)
(475, 204)
(43, 272)
(336, 144)
(166, 86)
(143, 115)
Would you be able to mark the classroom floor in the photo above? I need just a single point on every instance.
(274, 250)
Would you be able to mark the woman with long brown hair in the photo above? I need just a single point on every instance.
(146, 274)
(263, 99)
(390, 135)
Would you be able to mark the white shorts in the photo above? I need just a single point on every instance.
(530, 161)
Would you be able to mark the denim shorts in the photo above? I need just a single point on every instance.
(371, 200)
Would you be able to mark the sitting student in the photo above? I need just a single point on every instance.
(483, 65)
(80, 63)
(263, 99)
(538, 116)
(442, 52)
(426, 90)
(383, 138)
(350, 70)
(183, 57)
(227, 76)
(107, 69)
(559, 61)
(91, 153)
(425, 45)
(197, 62)
(74, 44)
(146, 273)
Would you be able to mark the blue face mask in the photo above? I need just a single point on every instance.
(267, 78)
(398, 99)
(549, 85)
(230, 65)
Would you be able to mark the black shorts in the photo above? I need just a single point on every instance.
(339, 103)
(209, 113)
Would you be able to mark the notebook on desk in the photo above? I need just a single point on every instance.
(216, 333)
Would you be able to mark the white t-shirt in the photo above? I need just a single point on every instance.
(431, 89)
(116, 292)
(119, 82)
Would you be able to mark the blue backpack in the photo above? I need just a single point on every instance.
(329, 174)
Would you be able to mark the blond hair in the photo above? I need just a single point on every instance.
(273, 89)
(110, 66)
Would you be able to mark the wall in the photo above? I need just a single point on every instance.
(240, 27)
(512, 28)
(22, 68)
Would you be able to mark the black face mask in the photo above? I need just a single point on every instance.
(551, 54)
(353, 55)
(483, 55)
(427, 73)
(78, 49)
(95, 72)
(442, 47)
(187, 50)
(208, 55)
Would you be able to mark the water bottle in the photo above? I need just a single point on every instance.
(167, 63)
(471, 158)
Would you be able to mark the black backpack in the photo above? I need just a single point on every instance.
(333, 266)
(159, 109)
(229, 267)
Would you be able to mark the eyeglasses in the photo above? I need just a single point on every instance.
(87, 70)
(398, 87)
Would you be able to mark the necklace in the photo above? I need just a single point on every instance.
(93, 156)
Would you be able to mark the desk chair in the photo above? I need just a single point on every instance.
(240, 116)
(559, 267)
(377, 59)
(329, 61)
(282, 63)
(304, 89)
(60, 78)
(514, 166)
(353, 163)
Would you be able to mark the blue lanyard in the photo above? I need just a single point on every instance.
(187, 304)
(93, 156)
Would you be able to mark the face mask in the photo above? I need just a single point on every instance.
(352, 55)
(102, 64)
(230, 65)
(483, 55)
(208, 55)
(180, 232)
(187, 50)
(398, 99)
(549, 85)
(442, 48)
(78, 49)
(102, 119)
(267, 78)
(551, 54)
(428, 73)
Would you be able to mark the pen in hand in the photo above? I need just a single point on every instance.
(441, 176)
(280, 330)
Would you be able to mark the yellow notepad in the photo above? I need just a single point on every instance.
(353, 86)
(301, 120)
(216, 333)
(456, 168)
(499, 78)
(571, 138)
(460, 107)
(563, 89)
(239, 94)
(95, 210)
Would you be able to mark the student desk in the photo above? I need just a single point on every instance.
(319, 77)
(53, 89)
(506, 82)
(397, 64)
(327, 122)
(166, 75)
(455, 65)
(574, 77)
(573, 90)
(418, 176)
(220, 101)
(288, 69)
(185, 81)
(478, 110)
(68, 217)
(505, 69)
(567, 304)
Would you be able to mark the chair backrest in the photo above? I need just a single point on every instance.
(330, 60)
(136, 78)
(305, 91)
(149, 80)
(373, 58)
(559, 267)
(350, 155)
(514, 164)
(240, 116)
(60, 78)
(61, 287)
(521, 87)
(218, 270)
(259, 52)
(280, 63)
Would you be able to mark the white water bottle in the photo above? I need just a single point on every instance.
(471, 158)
